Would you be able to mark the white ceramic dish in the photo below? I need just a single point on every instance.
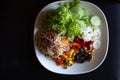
(99, 54)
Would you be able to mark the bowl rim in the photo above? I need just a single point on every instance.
(107, 29)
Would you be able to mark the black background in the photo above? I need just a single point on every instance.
(17, 56)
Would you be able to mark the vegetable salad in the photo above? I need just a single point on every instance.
(71, 34)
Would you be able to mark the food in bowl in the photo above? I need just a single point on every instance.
(70, 35)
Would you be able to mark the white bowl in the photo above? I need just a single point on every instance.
(99, 55)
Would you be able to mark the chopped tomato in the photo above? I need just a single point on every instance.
(80, 41)
(58, 61)
(89, 43)
(77, 40)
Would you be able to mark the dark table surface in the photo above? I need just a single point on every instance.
(17, 56)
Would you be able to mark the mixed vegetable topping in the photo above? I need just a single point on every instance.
(71, 34)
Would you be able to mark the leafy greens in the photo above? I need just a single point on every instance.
(67, 19)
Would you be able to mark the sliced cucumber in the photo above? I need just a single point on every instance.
(95, 20)
(96, 44)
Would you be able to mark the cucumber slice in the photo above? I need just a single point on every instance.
(95, 20)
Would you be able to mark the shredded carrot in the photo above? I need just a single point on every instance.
(64, 56)
(64, 40)
(74, 45)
